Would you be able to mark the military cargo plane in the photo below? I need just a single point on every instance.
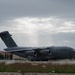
(39, 53)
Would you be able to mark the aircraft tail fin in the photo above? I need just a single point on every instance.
(7, 39)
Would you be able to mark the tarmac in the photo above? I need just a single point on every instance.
(66, 61)
(14, 73)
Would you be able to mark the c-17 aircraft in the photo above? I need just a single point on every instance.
(36, 54)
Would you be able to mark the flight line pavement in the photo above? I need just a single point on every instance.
(15, 73)
(66, 61)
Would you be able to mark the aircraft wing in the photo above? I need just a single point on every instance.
(21, 49)
(17, 49)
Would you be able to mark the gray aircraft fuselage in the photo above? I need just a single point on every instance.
(37, 54)
(47, 53)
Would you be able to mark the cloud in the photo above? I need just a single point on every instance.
(20, 8)
(29, 20)
(41, 31)
(34, 25)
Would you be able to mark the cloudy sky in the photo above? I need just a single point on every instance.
(38, 23)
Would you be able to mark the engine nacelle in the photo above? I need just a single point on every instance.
(45, 52)
(31, 53)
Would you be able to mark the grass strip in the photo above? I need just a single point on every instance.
(37, 67)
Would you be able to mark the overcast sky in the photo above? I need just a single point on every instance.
(38, 23)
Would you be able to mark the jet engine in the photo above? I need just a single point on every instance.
(31, 53)
(45, 52)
